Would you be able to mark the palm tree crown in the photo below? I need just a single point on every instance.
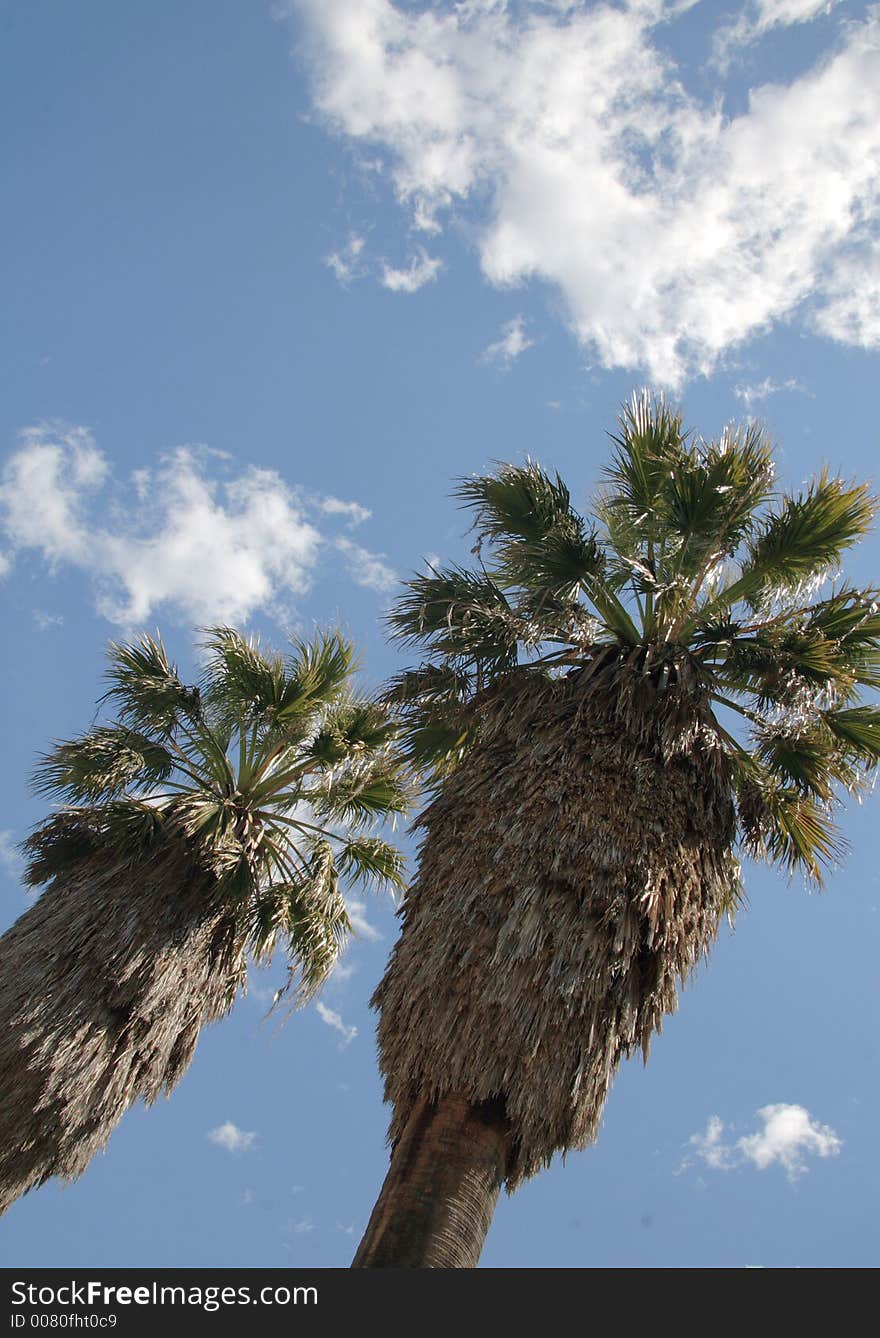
(269, 771)
(203, 825)
(697, 572)
(606, 710)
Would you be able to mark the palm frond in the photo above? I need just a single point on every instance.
(240, 678)
(458, 614)
(357, 725)
(370, 859)
(146, 689)
(516, 503)
(784, 825)
(103, 764)
(858, 730)
(802, 541)
(361, 790)
(649, 444)
(321, 668)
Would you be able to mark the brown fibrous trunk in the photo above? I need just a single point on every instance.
(575, 869)
(105, 983)
(437, 1202)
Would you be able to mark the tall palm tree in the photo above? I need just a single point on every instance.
(202, 825)
(610, 712)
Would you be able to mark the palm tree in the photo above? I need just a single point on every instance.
(610, 711)
(203, 824)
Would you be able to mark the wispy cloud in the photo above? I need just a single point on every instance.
(357, 916)
(190, 535)
(788, 1135)
(10, 857)
(333, 1019)
(760, 17)
(421, 269)
(353, 512)
(346, 263)
(752, 394)
(366, 568)
(45, 622)
(513, 342)
(233, 1139)
(567, 138)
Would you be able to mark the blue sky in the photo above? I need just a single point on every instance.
(272, 276)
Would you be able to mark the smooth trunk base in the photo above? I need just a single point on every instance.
(441, 1189)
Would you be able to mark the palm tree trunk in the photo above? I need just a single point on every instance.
(441, 1189)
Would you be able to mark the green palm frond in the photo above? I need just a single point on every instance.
(782, 824)
(360, 791)
(671, 508)
(515, 504)
(103, 764)
(461, 615)
(357, 725)
(145, 688)
(649, 445)
(323, 667)
(370, 859)
(539, 541)
(858, 730)
(803, 540)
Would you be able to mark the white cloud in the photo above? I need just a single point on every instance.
(760, 17)
(783, 13)
(709, 1146)
(346, 263)
(333, 1019)
(10, 857)
(764, 389)
(421, 269)
(189, 535)
(366, 568)
(357, 915)
(233, 1139)
(353, 511)
(788, 1136)
(512, 343)
(672, 232)
(851, 313)
(342, 971)
(44, 621)
(5, 565)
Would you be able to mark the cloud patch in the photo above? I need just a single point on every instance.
(11, 859)
(367, 569)
(190, 535)
(762, 16)
(752, 394)
(231, 1138)
(347, 263)
(564, 139)
(334, 1020)
(787, 1137)
(421, 269)
(512, 343)
(357, 918)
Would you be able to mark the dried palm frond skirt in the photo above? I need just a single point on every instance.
(574, 869)
(105, 983)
